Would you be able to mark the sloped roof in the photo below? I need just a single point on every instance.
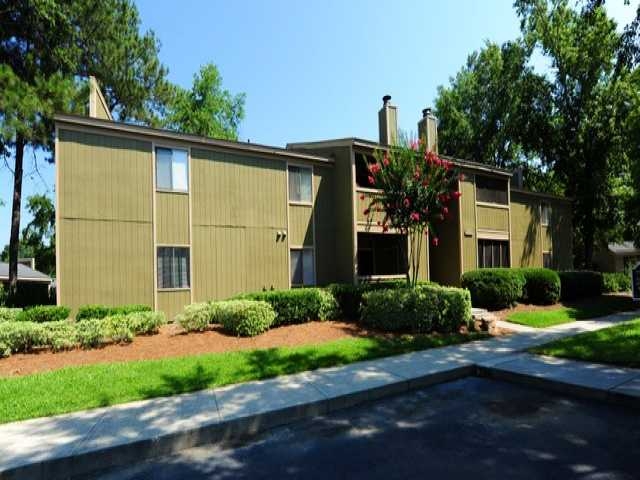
(24, 273)
(624, 248)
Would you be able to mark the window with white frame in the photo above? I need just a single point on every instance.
(300, 189)
(172, 169)
(302, 267)
(545, 214)
(173, 267)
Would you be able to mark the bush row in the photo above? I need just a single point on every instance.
(298, 305)
(424, 309)
(9, 314)
(616, 282)
(349, 297)
(102, 311)
(580, 284)
(245, 318)
(43, 313)
(497, 288)
(23, 336)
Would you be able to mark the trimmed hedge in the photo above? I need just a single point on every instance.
(426, 308)
(580, 283)
(43, 313)
(298, 305)
(102, 311)
(9, 314)
(494, 288)
(24, 336)
(245, 318)
(616, 282)
(196, 317)
(542, 286)
(349, 296)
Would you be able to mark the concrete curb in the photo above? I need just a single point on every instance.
(609, 396)
(238, 412)
(220, 432)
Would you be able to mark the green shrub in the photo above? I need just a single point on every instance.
(102, 311)
(298, 305)
(90, 332)
(542, 286)
(3, 301)
(59, 335)
(245, 318)
(9, 314)
(21, 336)
(43, 313)
(196, 317)
(494, 288)
(145, 323)
(117, 328)
(576, 284)
(426, 308)
(349, 296)
(616, 282)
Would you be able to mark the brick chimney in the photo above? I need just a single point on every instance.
(388, 122)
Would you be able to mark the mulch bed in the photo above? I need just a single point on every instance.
(173, 342)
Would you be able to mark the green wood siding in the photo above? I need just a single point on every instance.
(105, 233)
(239, 204)
(172, 218)
(300, 225)
(469, 240)
(492, 218)
(325, 229)
(526, 244)
(172, 302)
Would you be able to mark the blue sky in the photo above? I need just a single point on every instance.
(316, 69)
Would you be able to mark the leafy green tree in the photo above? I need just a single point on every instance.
(593, 93)
(45, 47)
(207, 109)
(494, 109)
(38, 237)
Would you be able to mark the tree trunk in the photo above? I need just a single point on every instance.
(14, 241)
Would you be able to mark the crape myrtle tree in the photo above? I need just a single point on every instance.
(415, 187)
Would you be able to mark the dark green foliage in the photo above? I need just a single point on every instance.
(423, 309)
(298, 305)
(43, 313)
(580, 284)
(349, 296)
(542, 286)
(494, 288)
(245, 318)
(102, 311)
(616, 282)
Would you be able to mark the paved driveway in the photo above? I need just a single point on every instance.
(471, 428)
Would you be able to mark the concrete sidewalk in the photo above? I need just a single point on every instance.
(82, 442)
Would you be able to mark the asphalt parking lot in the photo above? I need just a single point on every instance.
(471, 428)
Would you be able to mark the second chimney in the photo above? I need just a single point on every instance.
(388, 122)
(428, 130)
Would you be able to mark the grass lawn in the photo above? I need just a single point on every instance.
(571, 311)
(619, 345)
(78, 388)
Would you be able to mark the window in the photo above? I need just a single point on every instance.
(491, 190)
(547, 260)
(300, 184)
(172, 169)
(381, 254)
(302, 268)
(545, 214)
(493, 253)
(173, 267)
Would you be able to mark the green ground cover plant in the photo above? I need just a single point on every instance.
(78, 388)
